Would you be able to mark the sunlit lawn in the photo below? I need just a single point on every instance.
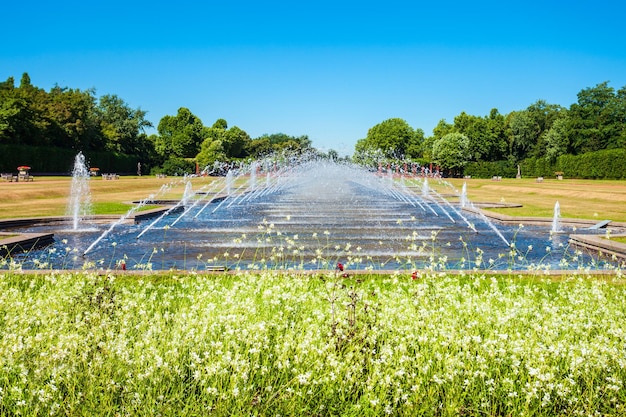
(583, 199)
(48, 196)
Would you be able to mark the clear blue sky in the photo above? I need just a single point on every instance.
(326, 69)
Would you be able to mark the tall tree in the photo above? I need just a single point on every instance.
(529, 127)
(180, 135)
(222, 144)
(486, 135)
(451, 151)
(395, 138)
(524, 134)
(557, 139)
(15, 117)
(121, 125)
(73, 119)
(597, 119)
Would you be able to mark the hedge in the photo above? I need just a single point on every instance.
(606, 164)
(490, 169)
(52, 160)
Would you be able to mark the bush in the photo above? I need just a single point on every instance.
(490, 169)
(606, 164)
(537, 167)
(176, 166)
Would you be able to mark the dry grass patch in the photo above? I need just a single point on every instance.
(583, 199)
(48, 196)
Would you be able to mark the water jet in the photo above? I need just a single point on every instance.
(79, 203)
(308, 214)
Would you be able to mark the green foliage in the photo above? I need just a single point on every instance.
(176, 166)
(259, 147)
(71, 119)
(222, 144)
(557, 139)
(211, 151)
(598, 119)
(121, 125)
(538, 167)
(395, 138)
(277, 142)
(59, 160)
(181, 135)
(486, 135)
(606, 164)
(451, 151)
(486, 169)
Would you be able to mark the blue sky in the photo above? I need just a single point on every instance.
(326, 69)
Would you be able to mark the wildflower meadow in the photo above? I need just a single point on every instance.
(320, 344)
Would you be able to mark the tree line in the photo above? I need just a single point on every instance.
(542, 131)
(79, 120)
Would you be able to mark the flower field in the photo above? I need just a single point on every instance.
(270, 344)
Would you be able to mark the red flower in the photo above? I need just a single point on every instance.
(340, 266)
(415, 275)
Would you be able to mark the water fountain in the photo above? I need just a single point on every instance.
(309, 214)
(556, 219)
(463, 197)
(425, 188)
(79, 203)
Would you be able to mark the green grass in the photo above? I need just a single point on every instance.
(116, 208)
(279, 344)
(621, 239)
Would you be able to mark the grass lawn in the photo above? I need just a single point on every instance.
(582, 199)
(48, 196)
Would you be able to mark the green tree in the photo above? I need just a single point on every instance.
(180, 135)
(121, 125)
(557, 139)
(282, 141)
(332, 155)
(524, 134)
(528, 129)
(222, 144)
(487, 137)
(451, 152)
(73, 119)
(220, 124)
(597, 119)
(259, 147)
(395, 138)
(15, 116)
(211, 151)
(236, 141)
